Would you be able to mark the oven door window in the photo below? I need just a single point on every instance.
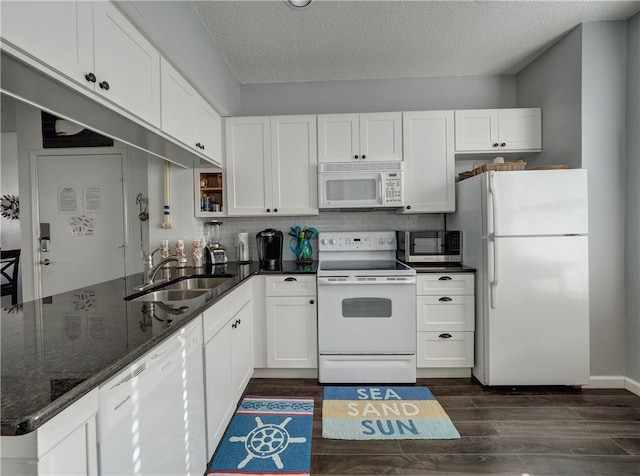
(356, 189)
(369, 307)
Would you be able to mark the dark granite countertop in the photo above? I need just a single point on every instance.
(57, 349)
(430, 268)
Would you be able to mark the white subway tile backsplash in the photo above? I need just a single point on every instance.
(325, 221)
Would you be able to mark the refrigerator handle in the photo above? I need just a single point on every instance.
(494, 199)
(493, 282)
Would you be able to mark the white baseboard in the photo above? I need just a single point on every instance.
(632, 385)
(444, 373)
(285, 373)
(606, 381)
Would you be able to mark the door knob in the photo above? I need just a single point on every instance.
(45, 262)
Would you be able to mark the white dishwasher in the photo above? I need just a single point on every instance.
(151, 419)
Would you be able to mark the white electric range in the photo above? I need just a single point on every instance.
(366, 309)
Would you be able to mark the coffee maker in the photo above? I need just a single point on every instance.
(269, 243)
(214, 251)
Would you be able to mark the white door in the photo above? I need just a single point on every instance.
(248, 153)
(537, 202)
(291, 332)
(127, 63)
(58, 33)
(338, 137)
(207, 130)
(476, 129)
(381, 136)
(536, 320)
(294, 165)
(429, 162)
(80, 196)
(520, 129)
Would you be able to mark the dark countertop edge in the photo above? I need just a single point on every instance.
(18, 427)
(441, 269)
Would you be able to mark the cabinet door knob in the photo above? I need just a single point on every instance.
(355, 157)
(90, 77)
(495, 144)
(445, 336)
(311, 302)
(104, 85)
(444, 278)
(290, 279)
(408, 207)
(275, 210)
(504, 144)
(202, 146)
(234, 325)
(239, 321)
(364, 156)
(198, 145)
(445, 299)
(268, 210)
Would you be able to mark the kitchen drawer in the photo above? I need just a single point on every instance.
(291, 285)
(442, 284)
(445, 349)
(454, 313)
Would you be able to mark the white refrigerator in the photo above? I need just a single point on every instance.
(526, 233)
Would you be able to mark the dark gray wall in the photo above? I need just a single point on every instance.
(632, 332)
(381, 95)
(554, 82)
(580, 85)
(177, 31)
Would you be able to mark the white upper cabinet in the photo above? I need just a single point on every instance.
(127, 66)
(429, 162)
(294, 165)
(58, 34)
(498, 130)
(372, 137)
(271, 165)
(187, 117)
(92, 44)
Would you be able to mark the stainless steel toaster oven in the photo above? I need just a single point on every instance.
(429, 246)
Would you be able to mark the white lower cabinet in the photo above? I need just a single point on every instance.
(65, 445)
(291, 321)
(228, 360)
(445, 319)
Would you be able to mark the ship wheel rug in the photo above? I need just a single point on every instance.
(384, 413)
(266, 436)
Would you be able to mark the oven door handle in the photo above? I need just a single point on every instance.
(335, 282)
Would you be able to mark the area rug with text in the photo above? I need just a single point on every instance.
(384, 413)
(267, 435)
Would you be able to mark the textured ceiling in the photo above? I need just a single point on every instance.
(268, 42)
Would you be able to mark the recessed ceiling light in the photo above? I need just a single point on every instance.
(297, 3)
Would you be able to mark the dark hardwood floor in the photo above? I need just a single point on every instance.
(505, 431)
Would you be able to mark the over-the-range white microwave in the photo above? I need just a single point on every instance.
(361, 185)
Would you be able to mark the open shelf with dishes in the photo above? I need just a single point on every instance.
(209, 192)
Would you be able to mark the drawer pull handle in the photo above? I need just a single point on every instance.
(445, 336)
(445, 299)
(290, 279)
(444, 278)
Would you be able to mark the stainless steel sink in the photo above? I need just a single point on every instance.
(163, 295)
(198, 283)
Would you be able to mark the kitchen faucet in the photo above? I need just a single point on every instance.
(150, 271)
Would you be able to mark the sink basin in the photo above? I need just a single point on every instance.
(197, 283)
(171, 295)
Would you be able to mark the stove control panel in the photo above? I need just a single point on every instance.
(357, 241)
